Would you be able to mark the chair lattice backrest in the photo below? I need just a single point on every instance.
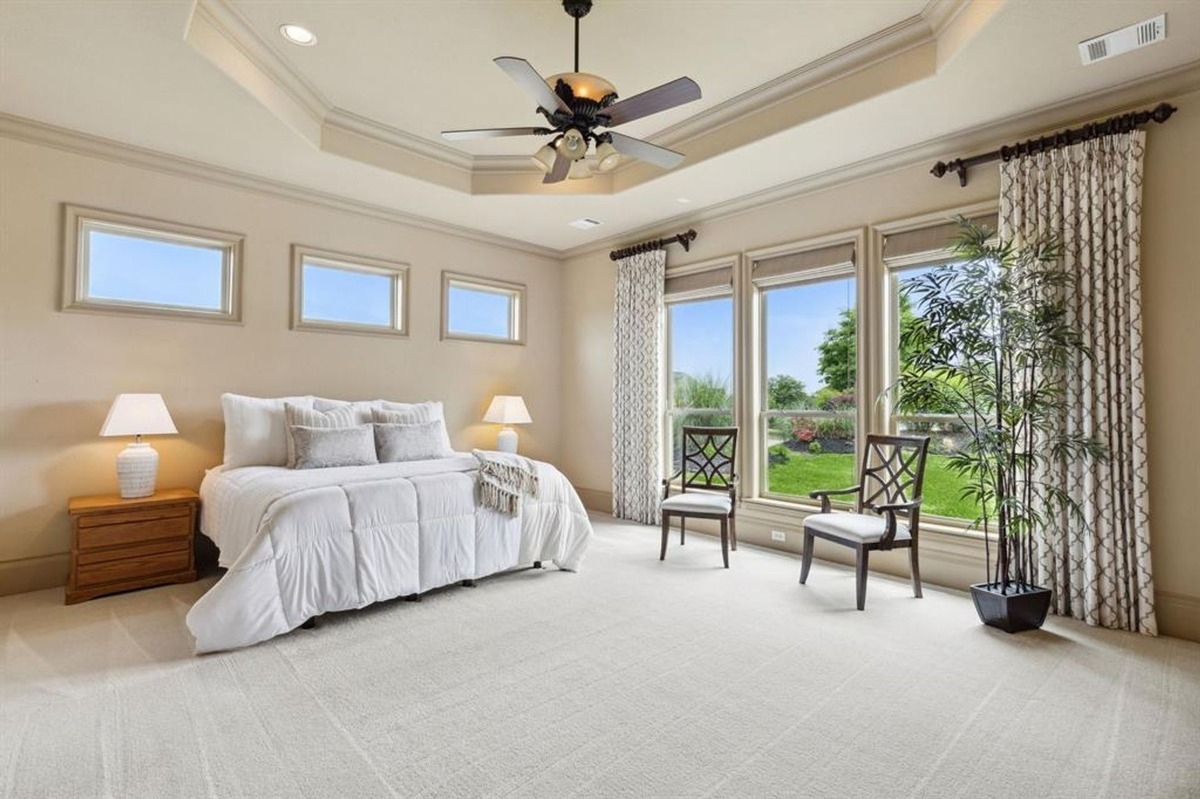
(893, 470)
(709, 457)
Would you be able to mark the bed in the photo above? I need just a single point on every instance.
(299, 543)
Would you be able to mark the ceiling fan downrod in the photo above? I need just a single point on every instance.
(577, 9)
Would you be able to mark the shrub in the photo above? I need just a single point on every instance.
(814, 448)
(777, 455)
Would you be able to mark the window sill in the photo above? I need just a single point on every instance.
(784, 510)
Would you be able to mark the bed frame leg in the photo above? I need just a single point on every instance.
(468, 583)
(537, 564)
(413, 598)
(310, 624)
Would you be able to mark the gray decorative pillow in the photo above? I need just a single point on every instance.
(412, 442)
(421, 413)
(301, 416)
(325, 447)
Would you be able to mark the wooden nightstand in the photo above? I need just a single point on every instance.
(120, 544)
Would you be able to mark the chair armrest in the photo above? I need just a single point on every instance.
(666, 483)
(824, 495)
(889, 510)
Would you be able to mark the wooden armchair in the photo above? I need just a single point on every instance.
(709, 485)
(888, 490)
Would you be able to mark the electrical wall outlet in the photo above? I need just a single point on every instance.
(776, 535)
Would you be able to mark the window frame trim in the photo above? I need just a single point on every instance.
(733, 263)
(886, 365)
(517, 310)
(397, 271)
(78, 220)
(755, 412)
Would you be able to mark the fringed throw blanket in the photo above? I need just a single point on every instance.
(503, 479)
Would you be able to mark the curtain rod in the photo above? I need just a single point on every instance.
(686, 238)
(1122, 123)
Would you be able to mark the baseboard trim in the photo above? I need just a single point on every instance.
(1178, 615)
(595, 499)
(34, 574)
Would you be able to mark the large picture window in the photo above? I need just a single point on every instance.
(908, 255)
(347, 293)
(128, 264)
(808, 418)
(700, 352)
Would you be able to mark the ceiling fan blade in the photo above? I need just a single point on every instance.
(562, 165)
(528, 79)
(493, 133)
(660, 98)
(645, 151)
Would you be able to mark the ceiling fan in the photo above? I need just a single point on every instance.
(576, 104)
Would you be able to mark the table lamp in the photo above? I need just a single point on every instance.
(137, 415)
(507, 411)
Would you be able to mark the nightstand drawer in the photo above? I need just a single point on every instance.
(136, 515)
(113, 535)
(128, 568)
(94, 556)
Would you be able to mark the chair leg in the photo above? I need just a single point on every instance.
(733, 532)
(915, 564)
(806, 562)
(725, 541)
(682, 527)
(666, 528)
(860, 576)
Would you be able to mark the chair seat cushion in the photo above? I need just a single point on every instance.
(698, 502)
(864, 528)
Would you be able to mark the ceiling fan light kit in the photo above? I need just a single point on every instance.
(575, 104)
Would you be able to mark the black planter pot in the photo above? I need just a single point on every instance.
(1014, 611)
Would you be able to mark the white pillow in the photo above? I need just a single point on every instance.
(255, 429)
(362, 408)
(416, 411)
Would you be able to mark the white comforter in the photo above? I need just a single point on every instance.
(301, 543)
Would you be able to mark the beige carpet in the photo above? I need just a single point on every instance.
(632, 678)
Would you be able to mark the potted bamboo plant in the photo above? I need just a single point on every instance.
(990, 345)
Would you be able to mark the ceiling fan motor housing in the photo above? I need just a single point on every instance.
(577, 8)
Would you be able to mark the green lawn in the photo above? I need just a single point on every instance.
(804, 473)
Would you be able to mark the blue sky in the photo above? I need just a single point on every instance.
(144, 270)
(796, 320)
(339, 295)
(480, 313)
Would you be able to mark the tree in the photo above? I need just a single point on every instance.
(706, 391)
(785, 392)
(838, 352)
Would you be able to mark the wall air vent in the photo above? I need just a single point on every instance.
(1124, 40)
(585, 223)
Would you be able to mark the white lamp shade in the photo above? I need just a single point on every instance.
(138, 415)
(507, 410)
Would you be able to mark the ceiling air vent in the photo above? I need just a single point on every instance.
(1124, 40)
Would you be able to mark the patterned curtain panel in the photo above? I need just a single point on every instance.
(1090, 196)
(637, 361)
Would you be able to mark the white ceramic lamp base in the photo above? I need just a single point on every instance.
(506, 440)
(137, 470)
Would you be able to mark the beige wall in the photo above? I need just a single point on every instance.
(1171, 274)
(60, 371)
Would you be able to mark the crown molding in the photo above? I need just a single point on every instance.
(899, 55)
(39, 133)
(1167, 85)
(859, 55)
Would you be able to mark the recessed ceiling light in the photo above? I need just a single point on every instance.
(585, 223)
(298, 34)
(684, 200)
